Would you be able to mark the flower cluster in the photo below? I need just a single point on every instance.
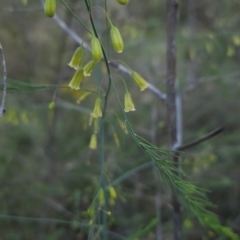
(84, 69)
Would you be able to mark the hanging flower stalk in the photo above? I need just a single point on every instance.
(96, 125)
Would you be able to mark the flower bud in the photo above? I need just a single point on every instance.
(142, 83)
(96, 49)
(76, 58)
(91, 211)
(93, 142)
(112, 192)
(123, 2)
(97, 111)
(116, 39)
(87, 69)
(50, 7)
(76, 80)
(51, 105)
(128, 103)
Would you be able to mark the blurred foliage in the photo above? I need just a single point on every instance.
(49, 176)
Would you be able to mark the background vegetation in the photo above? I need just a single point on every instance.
(48, 174)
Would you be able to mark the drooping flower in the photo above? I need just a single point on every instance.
(116, 39)
(83, 96)
(93, 142)
(97, 111)
(128, 103)
(51, 105)
(141, 82)
(76, 80)
(112, 192)
(50, 7)
(87, 69)
(123, 2)
(122, 126)
(76, 58)
(91, 211)
(96, 49)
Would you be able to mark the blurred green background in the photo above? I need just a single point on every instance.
(48, 174)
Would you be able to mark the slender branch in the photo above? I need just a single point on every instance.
(179, 117)
(4, 82)
(122, 68)
(76, 17)
(204, 138)
(22, 9)
(172, 10)
(131, 172)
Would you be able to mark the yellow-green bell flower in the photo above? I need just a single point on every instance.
(123, 2)
(50, 7)
(97, 111)
(116, 39)
(87, 69)
(141, 82)
(122, 126)
(96, 49)
(76, 58)
(112, 192)
(83, 96)
(51, 105)
(93, 142)
(76, 80)
(128, 103)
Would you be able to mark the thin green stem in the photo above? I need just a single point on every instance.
(79, 20)
(130, 173)
(102, 131)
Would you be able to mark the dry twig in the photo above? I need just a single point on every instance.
(203, 138)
